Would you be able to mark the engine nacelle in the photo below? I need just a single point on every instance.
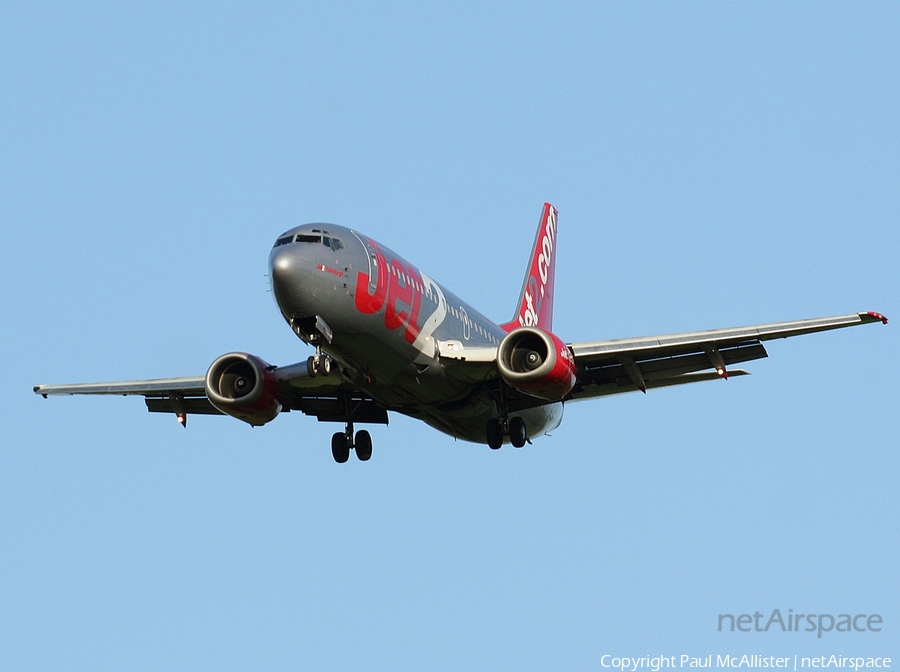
(243, 386)
(536, 362)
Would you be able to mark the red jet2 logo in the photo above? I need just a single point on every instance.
(401, 291)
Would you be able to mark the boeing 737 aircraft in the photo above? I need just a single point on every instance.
(388, 337)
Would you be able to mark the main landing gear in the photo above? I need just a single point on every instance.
(505, 425)
(342, 442)
(514, 427)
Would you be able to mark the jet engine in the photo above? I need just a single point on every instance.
(244, 387)
(536, 362)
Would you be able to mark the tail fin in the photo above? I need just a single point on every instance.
(535, 307)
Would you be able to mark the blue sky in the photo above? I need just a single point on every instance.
(713, 165)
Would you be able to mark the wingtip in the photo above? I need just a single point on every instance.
(876, 316)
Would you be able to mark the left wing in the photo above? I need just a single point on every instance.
(628, 364)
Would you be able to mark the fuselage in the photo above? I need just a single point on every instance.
(386, 319)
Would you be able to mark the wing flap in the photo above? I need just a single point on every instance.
(655, 368)
(342, 409)
(620, 386)
(188, 405)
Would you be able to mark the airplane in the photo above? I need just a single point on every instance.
(388, 337)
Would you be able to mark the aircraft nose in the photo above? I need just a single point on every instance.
(286, 269)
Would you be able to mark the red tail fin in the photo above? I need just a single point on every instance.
(536, 300)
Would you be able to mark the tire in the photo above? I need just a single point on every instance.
(311, 366)
(363, 445)
(339, 448)
(494, 434)
(325, 365)
(517, 433)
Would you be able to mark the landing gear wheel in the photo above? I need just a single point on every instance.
(494, 434)
(363, 445)
(318, 364)
(517, 433)
(340, 447)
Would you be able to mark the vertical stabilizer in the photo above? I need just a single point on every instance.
(535, 308)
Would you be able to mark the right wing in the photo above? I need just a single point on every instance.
(329, 398)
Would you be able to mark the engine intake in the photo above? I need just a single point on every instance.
(244, 387)
(537, 363)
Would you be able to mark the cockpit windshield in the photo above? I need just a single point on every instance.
(333, 243)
